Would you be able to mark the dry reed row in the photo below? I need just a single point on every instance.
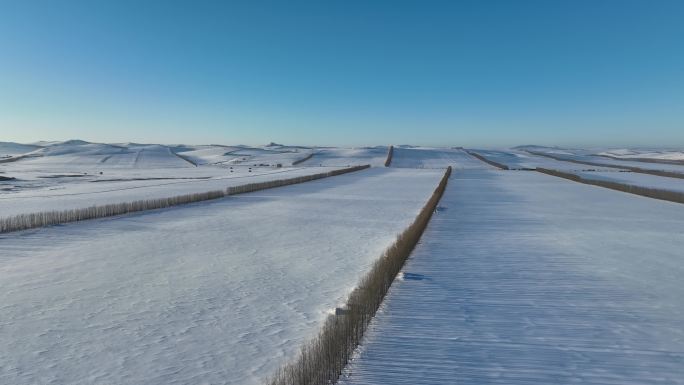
(488, 161)
(666, 195)
(322, 359)
(250, 187)
(668, 174)
(390, 153)
(304, 159)
(48, 218)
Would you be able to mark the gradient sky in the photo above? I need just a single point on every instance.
(472, 73)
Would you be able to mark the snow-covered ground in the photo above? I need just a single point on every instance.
(72, 174)
(219, 292)
(78, 155)
(517, 159)
(375, 156)
(67, 193)
(676, 155)
(523, 278)
(591, 156)
(242, 155)
(9, 149)
(636, 179)
(426, 157)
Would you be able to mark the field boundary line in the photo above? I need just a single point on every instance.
(322, 359)
(668, 174)
(55, 217)
(390, 154)
(488, 161)
(665, 195)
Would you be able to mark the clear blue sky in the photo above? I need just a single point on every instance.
(473, 73)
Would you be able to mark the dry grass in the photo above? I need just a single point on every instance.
(488, 161)
(304, 159)
(390, 153)
(322, 359)
(666, 195)
(48, 218)
(668, 174)
(286, 182)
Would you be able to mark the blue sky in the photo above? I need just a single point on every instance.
(472, 73)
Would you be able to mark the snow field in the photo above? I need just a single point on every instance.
(516, 159)
(589, 156)
(74, 195)
(322, 358)
(424, 157)
(342, 157)
(523, 278)
(214, 292)
(636, 179)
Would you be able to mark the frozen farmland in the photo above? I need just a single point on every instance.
(522, 276)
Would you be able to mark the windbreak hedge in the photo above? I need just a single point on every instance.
(48, 218)
(666, 195)
(322, 359)
(488, 161)
(390, 154)
(668, 174)
(304, 159)
(245, 188)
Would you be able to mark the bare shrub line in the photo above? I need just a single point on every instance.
(304, 159)
(322, 359)
(390, 154)
(250, 187)
(668, 174)
(678, 162)
(48, 218)
(666, 195)
(488, 161)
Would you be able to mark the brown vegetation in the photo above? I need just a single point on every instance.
(322, 359)
(666, 195)
(304, 159)
(245, 188)
(488, 161)
(390, 153)
(47, 218)
(669, 174)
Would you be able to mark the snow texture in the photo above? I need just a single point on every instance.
(516, 159)
(219, 292)
(637, 179)
(49, 194)
(425, 157)
(375, 156)
(590, 156)
(523, 278)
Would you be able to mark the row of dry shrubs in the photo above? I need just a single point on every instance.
(304, 159)
(47, 218)
(666, 195)
(390, 153)
(488, 161)
(668, 174)
(250, 187)
(322, 359)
